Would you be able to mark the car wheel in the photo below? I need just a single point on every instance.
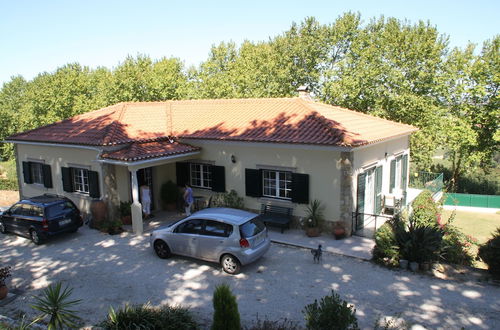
(3, 230)
(162, 250)
(230, 264)
(35, 237)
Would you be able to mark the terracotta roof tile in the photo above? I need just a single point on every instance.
(146, 150)
(278, 120)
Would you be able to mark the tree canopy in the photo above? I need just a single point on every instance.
(386, 67)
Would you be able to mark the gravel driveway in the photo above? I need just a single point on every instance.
(111, 270)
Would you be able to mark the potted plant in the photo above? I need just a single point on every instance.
(4, 274)
(339, 230)
(126, 213)
(314, 218)
(169, 194)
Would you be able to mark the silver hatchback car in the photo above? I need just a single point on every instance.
(230, 237)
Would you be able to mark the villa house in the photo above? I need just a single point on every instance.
(282, 151)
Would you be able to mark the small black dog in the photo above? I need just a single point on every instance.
(317, 254)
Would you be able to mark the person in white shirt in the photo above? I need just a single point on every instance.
(146, 201)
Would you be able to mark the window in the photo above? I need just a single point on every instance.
(81, 180)
(201, 176)
(217, 228)
(76, 179)
(36, 172)
(399, 169)
(194, 226)
(284, 185)
(277, 184)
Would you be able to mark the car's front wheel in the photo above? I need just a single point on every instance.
(230, 264)
(3, 230)
(35, 237)
(162, 250)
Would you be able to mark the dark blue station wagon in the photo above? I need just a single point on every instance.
(41, 217)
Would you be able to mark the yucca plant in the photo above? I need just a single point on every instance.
(55, 304)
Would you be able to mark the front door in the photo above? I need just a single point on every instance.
(145, 177)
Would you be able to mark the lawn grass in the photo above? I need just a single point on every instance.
(479, 225)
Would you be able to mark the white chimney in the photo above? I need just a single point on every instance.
(304, 92)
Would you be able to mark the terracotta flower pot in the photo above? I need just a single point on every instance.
(4, 290)
(312, 231)
(339, 232)
(127, 220)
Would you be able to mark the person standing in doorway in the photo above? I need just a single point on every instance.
(146, 201)
(188, 199)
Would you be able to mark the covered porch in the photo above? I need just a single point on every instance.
(151, 164)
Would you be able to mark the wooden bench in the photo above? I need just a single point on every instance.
(277, 216)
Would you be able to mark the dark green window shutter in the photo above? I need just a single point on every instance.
(253, 182)
(393, 176)
(27, 172)
(404, 172)
(94, 190)
(300, 188)
(361, 193)
(404, 177)
(378, 190)
(47, 176)
(218, 179)
(182, 173)
(67, 179)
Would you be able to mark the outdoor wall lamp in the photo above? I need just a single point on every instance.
(233, 159)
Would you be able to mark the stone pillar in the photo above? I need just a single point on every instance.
(136, 206)
(111, 196)
(346, 190)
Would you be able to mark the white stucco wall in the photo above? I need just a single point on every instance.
(375, 155)
(57, 157)
(319, 162)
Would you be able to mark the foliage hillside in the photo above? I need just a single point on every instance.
(394, 69)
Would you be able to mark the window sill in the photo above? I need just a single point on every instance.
(37, 186)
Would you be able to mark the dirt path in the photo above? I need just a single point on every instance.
(8, 197)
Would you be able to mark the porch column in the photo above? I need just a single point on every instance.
(136, 206)
(346, 190)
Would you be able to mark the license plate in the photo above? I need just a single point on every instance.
(258, 240)
(64, 222)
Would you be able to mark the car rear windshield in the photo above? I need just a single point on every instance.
(251, 228)
(58, 209)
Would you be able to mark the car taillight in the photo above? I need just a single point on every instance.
(244, 243)
(45, 225)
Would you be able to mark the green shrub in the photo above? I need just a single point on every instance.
(425, 211)
(55, 305)
(149, 317)
(125, 209)
(228, 199)
(274, 325)
(314, 214)
(330, 313)
(482, 181)
(386, 250)
(226, 314)
(456, 245)
(490, 253)
(8, 184)
(418, 243)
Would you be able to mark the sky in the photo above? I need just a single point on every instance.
(38, 36)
